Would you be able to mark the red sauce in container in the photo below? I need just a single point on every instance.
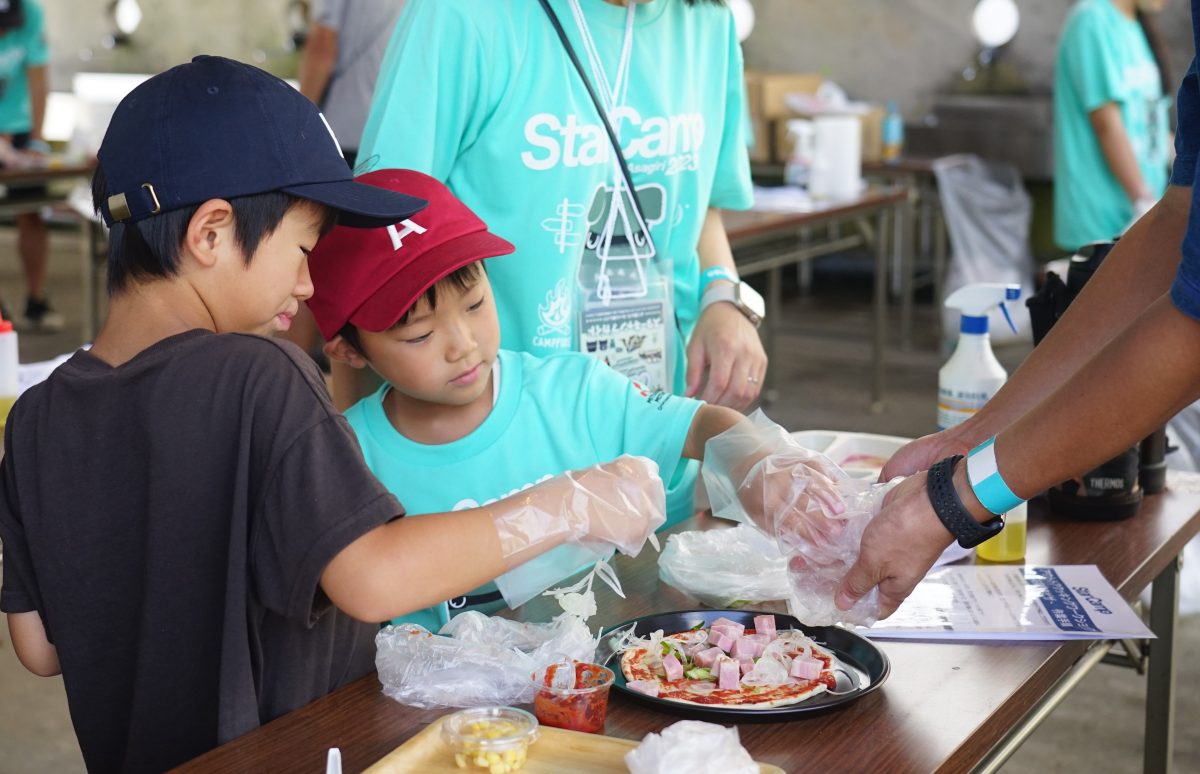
(581, 708)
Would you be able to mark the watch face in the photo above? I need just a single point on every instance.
(751, 300)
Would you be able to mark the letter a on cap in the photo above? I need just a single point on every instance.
(398, 236)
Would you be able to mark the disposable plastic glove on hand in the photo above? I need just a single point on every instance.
(618, 503)
(755, 472)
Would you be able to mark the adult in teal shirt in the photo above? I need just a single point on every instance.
(480, 94)
(1111, 134)
(23, 93)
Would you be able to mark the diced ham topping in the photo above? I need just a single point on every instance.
(805, 668)
(648, 687)
(747, 665)
(722, 641)
(724, 623)
(673, 668)
(764, 624)
(744, 647)
(729, 673)
(708, 658)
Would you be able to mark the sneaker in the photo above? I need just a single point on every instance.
(39, 317)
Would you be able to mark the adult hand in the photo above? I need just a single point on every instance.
(920, 454)
(725, 356)
(898, 548)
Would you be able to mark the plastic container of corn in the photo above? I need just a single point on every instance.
(492, 739)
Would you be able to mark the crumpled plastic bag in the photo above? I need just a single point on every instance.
(726, 568)
(476, 660)
(757, 474)
(692, 746)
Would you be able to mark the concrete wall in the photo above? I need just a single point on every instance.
(172, 31)
(877, 49)
(908, 50)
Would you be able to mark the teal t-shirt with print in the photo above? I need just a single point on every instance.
(553, 414)
(480, 94)
(1103, 57)
(20, 48)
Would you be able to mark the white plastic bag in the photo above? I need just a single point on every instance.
(692, 746)
(725, 568)
(476, 660)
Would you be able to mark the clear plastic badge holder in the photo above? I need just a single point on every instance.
(795, 489)
(625, 289)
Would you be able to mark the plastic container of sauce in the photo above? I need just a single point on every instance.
(582, 706)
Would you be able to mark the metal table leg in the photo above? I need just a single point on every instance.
(774, 306)
(1160, 682)
(881, 300)
(905, 227)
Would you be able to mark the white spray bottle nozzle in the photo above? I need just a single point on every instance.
(975, 301)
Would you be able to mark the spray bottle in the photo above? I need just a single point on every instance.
(969, 379)
(9, 383)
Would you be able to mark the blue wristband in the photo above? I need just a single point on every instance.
(715, 273)
(986, 481)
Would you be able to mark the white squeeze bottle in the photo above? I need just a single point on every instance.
(9, 385)
(973, 375)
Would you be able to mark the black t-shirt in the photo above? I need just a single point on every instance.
(170, 519)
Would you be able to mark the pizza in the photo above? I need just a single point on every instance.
(730, 666)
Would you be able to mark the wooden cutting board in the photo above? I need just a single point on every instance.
(555, 751)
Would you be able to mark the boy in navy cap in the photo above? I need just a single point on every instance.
(476, 422)
(190, 534)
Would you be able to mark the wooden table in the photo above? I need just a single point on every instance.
(765, 242)
(945, 708)
(92, 250)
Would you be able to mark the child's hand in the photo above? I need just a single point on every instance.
(620, 503)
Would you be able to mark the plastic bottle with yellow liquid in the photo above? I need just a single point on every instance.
(9, 383)
(969, 379)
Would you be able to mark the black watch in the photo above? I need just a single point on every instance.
(949, 508)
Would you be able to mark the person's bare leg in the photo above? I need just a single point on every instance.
(33, 244)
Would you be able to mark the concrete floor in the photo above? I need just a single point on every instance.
(823, 371)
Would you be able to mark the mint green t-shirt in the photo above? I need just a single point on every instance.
(20, 48)
(1103, 57)
(551, 415)
(481, 94)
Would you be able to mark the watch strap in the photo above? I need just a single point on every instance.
(948, 506)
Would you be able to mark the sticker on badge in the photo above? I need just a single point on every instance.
(631, 338)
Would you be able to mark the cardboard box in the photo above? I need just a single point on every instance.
(765, 92)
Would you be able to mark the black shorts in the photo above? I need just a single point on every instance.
(20, 141)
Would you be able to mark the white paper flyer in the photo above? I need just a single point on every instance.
(1005, 602)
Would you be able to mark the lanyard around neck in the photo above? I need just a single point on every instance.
(612, 93)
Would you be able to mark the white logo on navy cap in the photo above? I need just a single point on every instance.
(328, 128)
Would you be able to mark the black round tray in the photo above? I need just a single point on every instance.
(861, 667)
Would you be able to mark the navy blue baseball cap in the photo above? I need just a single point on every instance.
(216, 129)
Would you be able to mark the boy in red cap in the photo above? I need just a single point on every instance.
(474, 422)
(190, 535)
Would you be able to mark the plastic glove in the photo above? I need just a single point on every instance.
(756, 471)
(618, 503)
(814, 510)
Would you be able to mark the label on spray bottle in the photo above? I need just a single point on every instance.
(957, 406)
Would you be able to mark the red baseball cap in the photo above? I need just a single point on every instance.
(371, 276)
